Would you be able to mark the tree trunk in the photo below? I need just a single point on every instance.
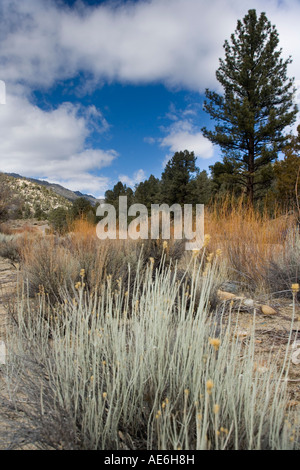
(250, 179)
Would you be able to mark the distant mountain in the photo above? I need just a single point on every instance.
(59, 190)
(30, 198)
(89, 197)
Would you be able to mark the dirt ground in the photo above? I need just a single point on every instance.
(32, 225)
(272, 336)
(8, 283)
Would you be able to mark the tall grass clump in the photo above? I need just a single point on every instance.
(10, 247)
(54, 262)
(283, 268)
(48, 266)
(91, 376)
(249, 239)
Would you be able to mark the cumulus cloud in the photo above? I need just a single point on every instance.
(85, 183)
(177, 42)
(52, 144)
(183, 133)
(174, 42)
(137, 177)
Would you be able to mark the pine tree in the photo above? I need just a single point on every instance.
(201, 188)
(81, 207)
(177, 176)
(257, 104)
(148, 192)
(287, 173)
(119, 189)
(225, 178)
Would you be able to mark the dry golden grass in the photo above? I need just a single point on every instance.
(249, 239)
(250, 242)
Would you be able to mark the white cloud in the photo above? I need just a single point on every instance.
(138, 176)
(85, 183)
(182, 135)
(177, 42)
(150, 140)
(52, 144)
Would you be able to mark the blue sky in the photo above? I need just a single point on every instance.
(99, 92)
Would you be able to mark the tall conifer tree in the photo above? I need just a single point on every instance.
(257, 104)
(180, 170)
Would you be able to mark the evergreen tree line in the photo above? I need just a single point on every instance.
(182, 182)
(251, 118)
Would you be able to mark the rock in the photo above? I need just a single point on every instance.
(2, 352)
(241, 334)
(267, 310)
(248, 302)
(296, 357)
(223, 295)
(231, 287)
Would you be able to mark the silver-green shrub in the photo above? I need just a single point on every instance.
(146, 370)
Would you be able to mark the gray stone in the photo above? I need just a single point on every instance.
(2, 353)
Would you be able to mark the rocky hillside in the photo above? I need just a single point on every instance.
(58, 189)
(32, 199)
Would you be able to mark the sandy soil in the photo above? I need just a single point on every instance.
(272, 336)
